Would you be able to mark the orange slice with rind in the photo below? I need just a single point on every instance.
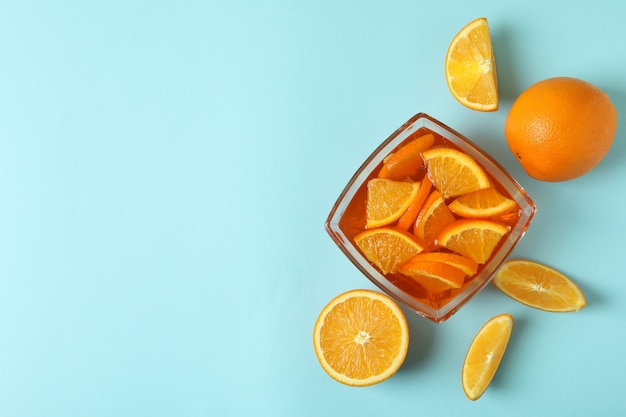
(432, 275)
(388, 248)
(487, 202)
(467, 265)
(473, 238)
(453, 172)
(485, 354)
(361, 338)
(470, 67)
(539, 286)
(406, 161)
(410, 215)
(433, 217)
(387, 200)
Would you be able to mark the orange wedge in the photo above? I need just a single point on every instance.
(361, 338)
(539, 286)
(483, 203)
(454, 173)
(471, 67)
(475, 239)
(388, 248)
(467, 265)
(433, 217)
(406, 161)
(485, 354)
(410, 215)
(432, 275)
(387, 200)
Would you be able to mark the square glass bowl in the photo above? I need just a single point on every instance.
(347, 219)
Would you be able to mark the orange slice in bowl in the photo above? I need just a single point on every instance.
(433, 217)
(473, 238)
(387, 247)
(361, 338)
(410, 215)
(406, 161)
(539, 286)
(387, 200)
(465, 264)
(471, 67)
(432, 275)
(483, 203)
(454, 173)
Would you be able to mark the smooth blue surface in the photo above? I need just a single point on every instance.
(166, 169)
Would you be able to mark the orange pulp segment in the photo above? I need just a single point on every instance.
(487, 202)
(387, 247)
(474, 238)
(432, 275)
(485, 354)
(433, 217)
(406, 161)
(539, 286)
(361, 338)
(454, 173)
(467, 265)
(471, 67)
(410, 215)
(387, 200)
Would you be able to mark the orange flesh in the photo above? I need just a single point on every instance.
(485, 354)
(361, 338)
(539, 286)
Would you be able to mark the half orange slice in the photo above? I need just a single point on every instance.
(476, 239)
(483, 203)
(387, 200)
(471, 67)
(406, 161)
(432, 275)
(388, 248)
(454, 173)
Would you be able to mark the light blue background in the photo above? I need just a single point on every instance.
(166, 169)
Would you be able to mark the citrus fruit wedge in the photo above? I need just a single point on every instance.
(485, 354)
(432, 275)
(387, 247)
(433, 217)
(410, 215)
(406, 161)
(471, 67)
(387, 200)
(539, 286)
(465, 264)
(454, 173)
(361, 338)
(474, 238)
(483, 203)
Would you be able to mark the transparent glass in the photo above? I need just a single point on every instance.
(342, 219)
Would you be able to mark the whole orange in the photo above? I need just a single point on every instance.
(560, 128)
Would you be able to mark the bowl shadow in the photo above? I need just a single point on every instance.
(508, 86)
(421, 341)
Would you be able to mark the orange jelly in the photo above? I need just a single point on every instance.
(401, 158)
